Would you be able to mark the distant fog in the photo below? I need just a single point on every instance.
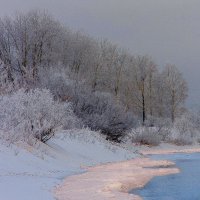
(167, 30)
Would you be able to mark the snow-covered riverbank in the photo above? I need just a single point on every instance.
(112, 181)
(115, 180)
(184, 185)
(32, 172)
(80, 160)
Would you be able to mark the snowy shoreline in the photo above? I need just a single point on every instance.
(115, 180)
(78, 165)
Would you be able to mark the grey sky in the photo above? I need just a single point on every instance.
(167, 30)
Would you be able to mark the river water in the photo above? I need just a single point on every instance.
(182, 186)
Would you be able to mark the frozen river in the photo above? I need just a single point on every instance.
(182, 186)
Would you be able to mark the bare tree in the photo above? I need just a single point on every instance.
(151, 78)
(26, 42)
(175, 88)
(142, 74)
(34, 43)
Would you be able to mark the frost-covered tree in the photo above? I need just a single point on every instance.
(27, 42)
(99, 111)
(141, 84)
(25, 115)
(38, 52)
(175, 88)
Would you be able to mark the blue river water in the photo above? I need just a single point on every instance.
(182, 186)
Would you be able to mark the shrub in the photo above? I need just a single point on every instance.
(56, 80)
(162, 126)
(146, 136)
(100, 112)
(183, 130)
(25, 115)
(6, 81)
(181, 140)
(184, 126)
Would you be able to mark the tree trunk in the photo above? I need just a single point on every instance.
(173, 107)
(143, 109)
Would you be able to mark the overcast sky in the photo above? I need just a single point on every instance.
(167, 30)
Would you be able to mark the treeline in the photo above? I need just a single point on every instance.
(110, 89)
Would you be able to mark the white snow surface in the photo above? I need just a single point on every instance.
(31, 172)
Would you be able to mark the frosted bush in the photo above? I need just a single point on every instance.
(162, 126)
(6, 85)
(100, 112)
(146, 136)
(184, 126)
(25, 115)
(183, 131)
(56, 80)
(180, 138)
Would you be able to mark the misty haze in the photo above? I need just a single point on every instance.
(89, 90)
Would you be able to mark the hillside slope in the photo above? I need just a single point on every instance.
(28, 172)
